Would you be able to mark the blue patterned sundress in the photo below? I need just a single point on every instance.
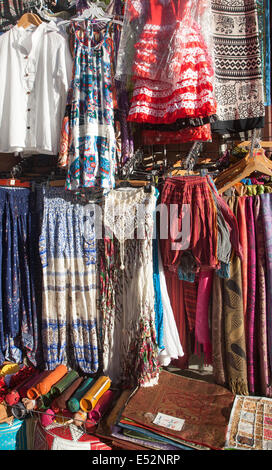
(88, 136)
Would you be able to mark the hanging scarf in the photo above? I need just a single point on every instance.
(234, 330)
(266, 212)
(233, 317)
(218, 337)
(264, 379)
(202, 331)
(241, 217)
(251, 297)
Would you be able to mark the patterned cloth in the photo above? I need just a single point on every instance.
(229, 326)
(238, 68)
(130, 352)
(251, 298)
(263, 9)
(59, 437)
(205, 408)
(250, 424)
(20, 276)
(266, 211)
(12, 10)
(264, 373)
(13, 436)
(68, 255)
(88, 135)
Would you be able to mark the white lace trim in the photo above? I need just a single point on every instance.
(126, 212)
(202, 97)
(181, 81)
(188, 105)
(195, 52)
(142, 89)
(157, 86)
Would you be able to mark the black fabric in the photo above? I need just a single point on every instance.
(240, 125)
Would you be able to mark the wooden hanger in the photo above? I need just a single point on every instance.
(57, 183)
(29, 19)
(255, 160)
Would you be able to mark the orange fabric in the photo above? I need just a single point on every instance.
(89, 400)
(45, 385)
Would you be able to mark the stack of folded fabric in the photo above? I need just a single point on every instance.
(178, 413)
(250, 424)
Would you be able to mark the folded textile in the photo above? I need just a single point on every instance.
(45, 385)
(141, 440)
(102, 406)
(65, 382)
(44, 401)
(17, 393)
(202, 409)
(74, 402)
(19, 377)
(9, 368)
(250, 424)
(89, 400)
(105, 425)
(29, 383)
(47, 418)
(32, 393)
(61, 401)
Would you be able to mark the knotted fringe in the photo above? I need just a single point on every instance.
(238, 386)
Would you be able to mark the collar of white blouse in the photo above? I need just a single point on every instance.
(27, 39)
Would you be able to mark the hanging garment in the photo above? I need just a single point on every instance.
(232, 353)
(158, 296)
(227, 306)
(35, 71)
(241, 218)
(263, 387)
(20, 276)
(195, 233)
(202, 330)
(172, 346)
(68, 255)
(218, 333)
(130, 352)
(251, 299)
(263, 10)
(238, 72)
(172, 67)
(88, 135)
(266, 212)
(176, 292)
(189, 134)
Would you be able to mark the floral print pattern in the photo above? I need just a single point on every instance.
(87, 146)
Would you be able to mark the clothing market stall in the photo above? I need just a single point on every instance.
(135, 225)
